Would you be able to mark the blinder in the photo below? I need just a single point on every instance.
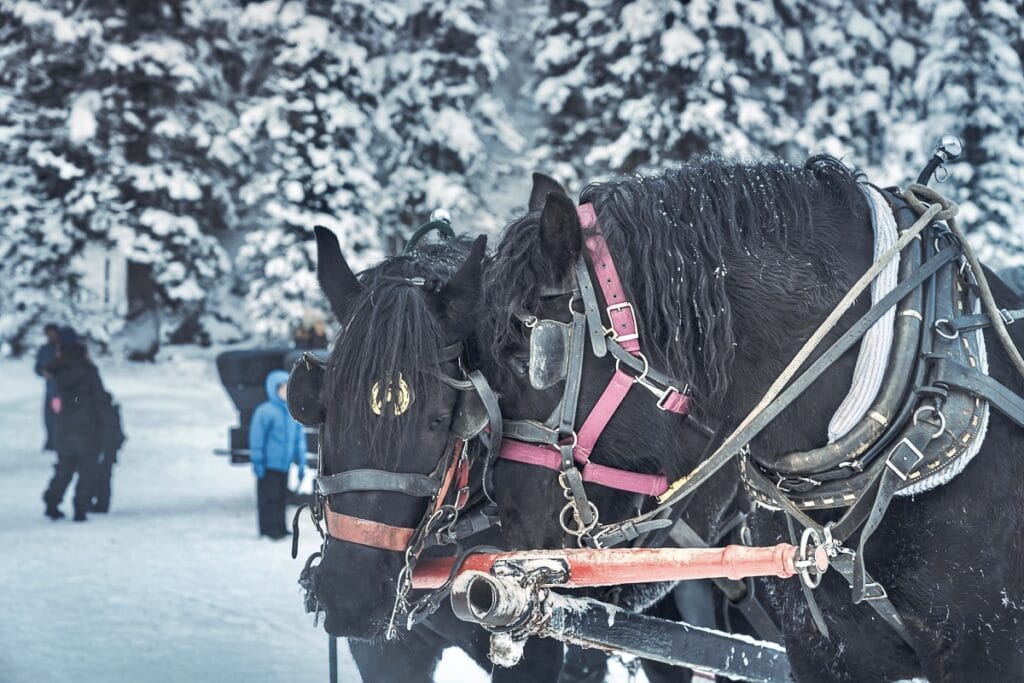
(305, 390)
(549, 352)
(470, 416)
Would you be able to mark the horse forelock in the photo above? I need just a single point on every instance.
(677, 238)
(392, 334)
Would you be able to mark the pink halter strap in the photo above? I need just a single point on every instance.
(624, 331)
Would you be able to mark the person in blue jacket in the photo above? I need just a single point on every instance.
(275, 442)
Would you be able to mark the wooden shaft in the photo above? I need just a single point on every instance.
(615, 566)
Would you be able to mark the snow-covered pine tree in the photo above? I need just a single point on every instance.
(308, 130)
(366, 116)
(971, 82)
(133, 103)
(853, 83)
(34, 243)
(640, 83)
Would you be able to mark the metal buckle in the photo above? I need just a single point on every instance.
(1007, 318)
(632, 314)
(669, 390)
(909, 444)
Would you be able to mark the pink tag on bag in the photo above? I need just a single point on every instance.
(55, 404)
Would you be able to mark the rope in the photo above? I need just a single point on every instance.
(914, 194)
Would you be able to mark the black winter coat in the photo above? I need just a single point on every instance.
(84, 404)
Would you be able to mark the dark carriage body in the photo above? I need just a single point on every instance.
(242, 372)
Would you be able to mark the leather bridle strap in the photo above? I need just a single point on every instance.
(418, 485)
(620, 312)
(374, 534)
(365, 532)
(544, 456)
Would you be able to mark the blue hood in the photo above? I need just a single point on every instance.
(275, 379)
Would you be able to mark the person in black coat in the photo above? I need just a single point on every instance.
(47, 352)
(112, 439)
(83, 405)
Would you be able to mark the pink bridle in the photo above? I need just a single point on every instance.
(624, 331)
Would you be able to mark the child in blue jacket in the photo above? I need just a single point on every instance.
(275, 442)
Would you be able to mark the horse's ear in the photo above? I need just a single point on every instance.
(560, 236)
(337, 280)
(459, 295)
(543, 185)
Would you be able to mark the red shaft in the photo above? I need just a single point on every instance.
(614, 566)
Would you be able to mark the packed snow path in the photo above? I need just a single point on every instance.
(173, 584)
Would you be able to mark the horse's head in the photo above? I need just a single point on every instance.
(532, 296)
(386, 409)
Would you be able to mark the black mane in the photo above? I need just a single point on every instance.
(392, 329)
(675, 237)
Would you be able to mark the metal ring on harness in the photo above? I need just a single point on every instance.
(946, 329)
(932, 409)
(581, 529)
(643, 373)
(807, 564)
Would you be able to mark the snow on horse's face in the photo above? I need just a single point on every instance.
(384, 406)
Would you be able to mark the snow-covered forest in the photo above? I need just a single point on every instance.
(189, 146)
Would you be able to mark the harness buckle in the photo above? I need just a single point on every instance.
(904, 472)
(666, 395)
(623, 306)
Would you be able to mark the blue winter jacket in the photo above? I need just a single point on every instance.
(275, 439)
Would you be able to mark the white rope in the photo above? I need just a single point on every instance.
(876, 346)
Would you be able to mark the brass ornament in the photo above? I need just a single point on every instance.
(399, 400)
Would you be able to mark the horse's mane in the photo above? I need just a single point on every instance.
(392, 329)
(674, 236)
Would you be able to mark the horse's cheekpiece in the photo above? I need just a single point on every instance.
(398, 395)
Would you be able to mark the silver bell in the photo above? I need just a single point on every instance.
(949, 147)
(441, 215)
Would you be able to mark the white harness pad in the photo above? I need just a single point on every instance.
(876, 345)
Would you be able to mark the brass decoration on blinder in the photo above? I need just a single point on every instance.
(400, 398)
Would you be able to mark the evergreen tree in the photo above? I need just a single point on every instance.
(371, 115)
(127, 107)
(972, 83)
(641, 83)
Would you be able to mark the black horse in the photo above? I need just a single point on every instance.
(731, 268)
(386, 400)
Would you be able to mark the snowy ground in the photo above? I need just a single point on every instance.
(173, 584)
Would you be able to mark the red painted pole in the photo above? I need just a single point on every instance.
(615, 566)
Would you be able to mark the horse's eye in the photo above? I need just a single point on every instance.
(521, 365)
(439, 422)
